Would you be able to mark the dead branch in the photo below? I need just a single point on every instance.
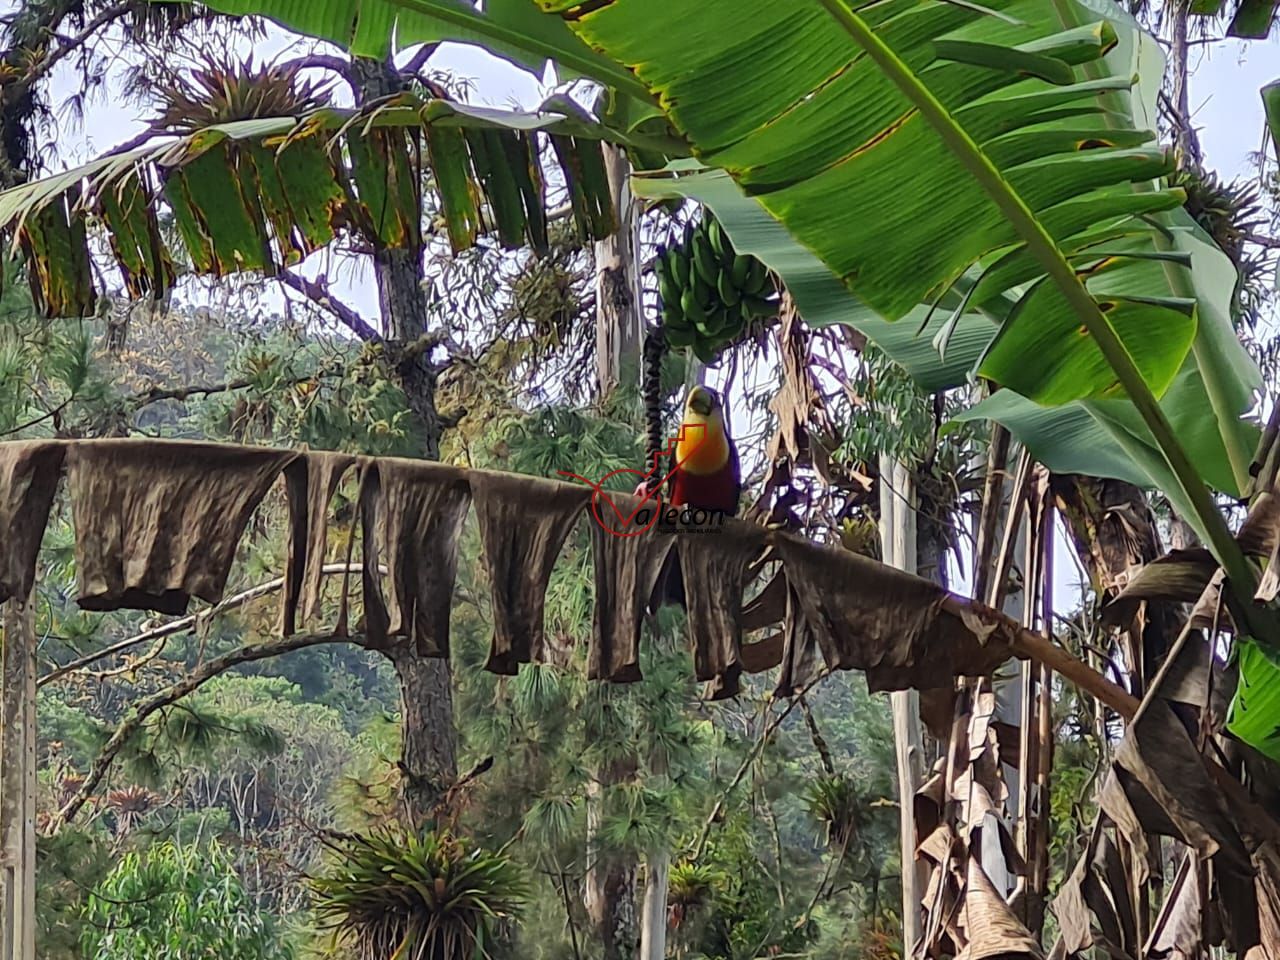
(201, 675)
(157, 394)
(419, 59)
(183, 624)
(317, 291)
(320, 61)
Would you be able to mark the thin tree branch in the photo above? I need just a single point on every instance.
(1262, 240)
(182, 624)
(317, 291)
(38, 70)
(321, 61)
(157, 394)
(765, 736)
(139, 713)
(419, 58)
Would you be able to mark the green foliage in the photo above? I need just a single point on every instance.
(428, 896)
(69, 865)
(171, 902)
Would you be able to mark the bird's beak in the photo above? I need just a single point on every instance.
(700, 402)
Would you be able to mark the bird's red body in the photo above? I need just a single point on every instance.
(716, 491)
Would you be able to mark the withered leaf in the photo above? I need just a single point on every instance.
(29, 474)
(523, 525)
(159, 522)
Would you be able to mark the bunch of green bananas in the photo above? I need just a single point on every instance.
(710, 293)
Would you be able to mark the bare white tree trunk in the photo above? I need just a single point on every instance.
(18, 785)
(619, 323)
(609, 890)
(898, 541)
(653, 920)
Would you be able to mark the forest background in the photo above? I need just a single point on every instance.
(226, 808)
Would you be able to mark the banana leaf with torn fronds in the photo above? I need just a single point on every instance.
(262, 194)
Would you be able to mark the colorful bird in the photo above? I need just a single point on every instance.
(703, 474)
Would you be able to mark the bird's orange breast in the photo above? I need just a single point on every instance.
(703, 447)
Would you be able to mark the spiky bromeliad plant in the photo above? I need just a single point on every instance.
(392, 896)
(836, 803)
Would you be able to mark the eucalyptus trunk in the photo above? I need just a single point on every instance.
(610, 888)
(18, 784)
(653, 922)
(898, 546)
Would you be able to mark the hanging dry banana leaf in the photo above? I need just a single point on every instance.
(1178, 933)
(310, 483)
(887, 623)
(713, 563)
(411, 510)
(158, 522)
(523, 525)
(626, 569)
(801, 656)
(29, 474)
(1094, 905)
(990, 927)
(1161, 777)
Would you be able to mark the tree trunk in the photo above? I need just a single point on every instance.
(619, 326)
(428, 760)
(653, 926)
(898, 545)
(18, 785)
(609, 891)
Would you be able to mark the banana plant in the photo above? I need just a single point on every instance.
(914, 148)
(261, 194)
(1248, 19)
(1271, 104)
(511, 29)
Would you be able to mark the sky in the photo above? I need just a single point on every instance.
(1224, 95)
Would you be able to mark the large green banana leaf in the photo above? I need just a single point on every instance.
(262, 194)
(779, 96)
(1250, 19)
(833, 141)
(821, 298)
(512, 29)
